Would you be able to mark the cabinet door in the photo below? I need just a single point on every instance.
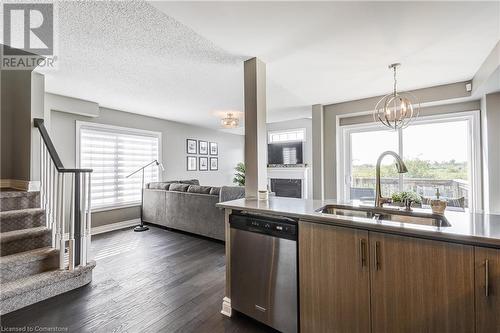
(421, 285)
(487, 266)
(334, 279)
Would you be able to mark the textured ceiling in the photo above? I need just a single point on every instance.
(132, 57)
(183, 60)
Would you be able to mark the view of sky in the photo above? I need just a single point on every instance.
(438, 142)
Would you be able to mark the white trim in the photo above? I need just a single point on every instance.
(105, 209)
(115, 226)
(110, 227)
(474, 151)
(301, 129)
(341, 158)
(23, 185)
(299, 173)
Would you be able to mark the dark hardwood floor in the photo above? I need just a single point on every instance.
(154, 281)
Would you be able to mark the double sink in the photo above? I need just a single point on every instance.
(386, 214)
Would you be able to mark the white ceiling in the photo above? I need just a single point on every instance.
(184, 60)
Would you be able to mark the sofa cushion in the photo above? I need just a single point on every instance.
(215, 191)
(159, 186)
(199, 189)
(190, 182)
(178, 187)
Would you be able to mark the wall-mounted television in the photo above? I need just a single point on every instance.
(285, 153)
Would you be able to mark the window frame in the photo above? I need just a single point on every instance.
(116, 129)
(344, 148)
(270, 133)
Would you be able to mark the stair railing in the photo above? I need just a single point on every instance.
(53, 177)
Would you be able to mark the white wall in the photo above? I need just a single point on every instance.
(308, 150)
(63, 133)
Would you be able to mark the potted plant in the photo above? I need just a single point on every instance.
(239, 176)
(401, 198)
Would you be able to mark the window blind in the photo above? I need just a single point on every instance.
(113, 154)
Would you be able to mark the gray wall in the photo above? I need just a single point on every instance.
(174, 135)
(15, 124)
(439, 99)
(308, 148)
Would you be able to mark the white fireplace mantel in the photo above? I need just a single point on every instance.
(290, 173)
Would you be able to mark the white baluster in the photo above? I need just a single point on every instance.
(46, 180)
(89, 217)
(57, 209)
(71, 239)
(42, 175)
(52, 202)
(83, 220)
(43, 182)
(46, 186)
(62, 245)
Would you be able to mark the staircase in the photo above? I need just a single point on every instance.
(29, 265)
(45, 235)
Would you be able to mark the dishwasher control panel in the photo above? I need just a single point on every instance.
(275, 226)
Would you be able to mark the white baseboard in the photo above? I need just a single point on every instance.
(23, 185)
(114, 226)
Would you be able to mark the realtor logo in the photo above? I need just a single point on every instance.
(28, 35)
(28, 27)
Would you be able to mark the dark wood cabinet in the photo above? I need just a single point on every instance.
(487, 284)
(421, 285)
(334, 279)
(352, 280)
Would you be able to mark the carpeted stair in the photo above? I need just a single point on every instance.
(29, 265)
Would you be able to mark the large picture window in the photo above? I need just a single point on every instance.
(113, 153)
(441, 152)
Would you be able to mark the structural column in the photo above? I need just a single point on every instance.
(317, 148)
(255, 127)
(491, 154)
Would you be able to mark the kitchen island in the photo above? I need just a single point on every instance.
(364, 274)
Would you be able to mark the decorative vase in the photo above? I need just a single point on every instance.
(438, 206)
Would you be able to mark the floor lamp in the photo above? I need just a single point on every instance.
(142, 227)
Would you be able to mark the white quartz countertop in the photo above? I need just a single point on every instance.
(466, 228)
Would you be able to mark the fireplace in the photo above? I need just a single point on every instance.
(288, 181)
(291, 188)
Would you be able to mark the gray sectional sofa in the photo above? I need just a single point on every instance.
(187, 206)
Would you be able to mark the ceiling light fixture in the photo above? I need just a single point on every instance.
(230, 121)
(397, 109)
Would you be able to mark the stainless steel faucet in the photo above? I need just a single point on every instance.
(400, 165)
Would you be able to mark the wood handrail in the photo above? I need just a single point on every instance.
(52, 150)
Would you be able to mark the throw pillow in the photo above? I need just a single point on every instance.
(179, 187)
(199, 189)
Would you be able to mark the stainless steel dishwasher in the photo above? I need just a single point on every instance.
(263, 269)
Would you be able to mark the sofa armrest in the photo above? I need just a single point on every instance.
(154, 206)
(228, 193)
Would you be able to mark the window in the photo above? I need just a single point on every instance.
(113, 153)
(286, 136)
(440, 152)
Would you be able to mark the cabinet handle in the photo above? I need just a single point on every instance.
(486, 278)
(377, 256)
(363, 252)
